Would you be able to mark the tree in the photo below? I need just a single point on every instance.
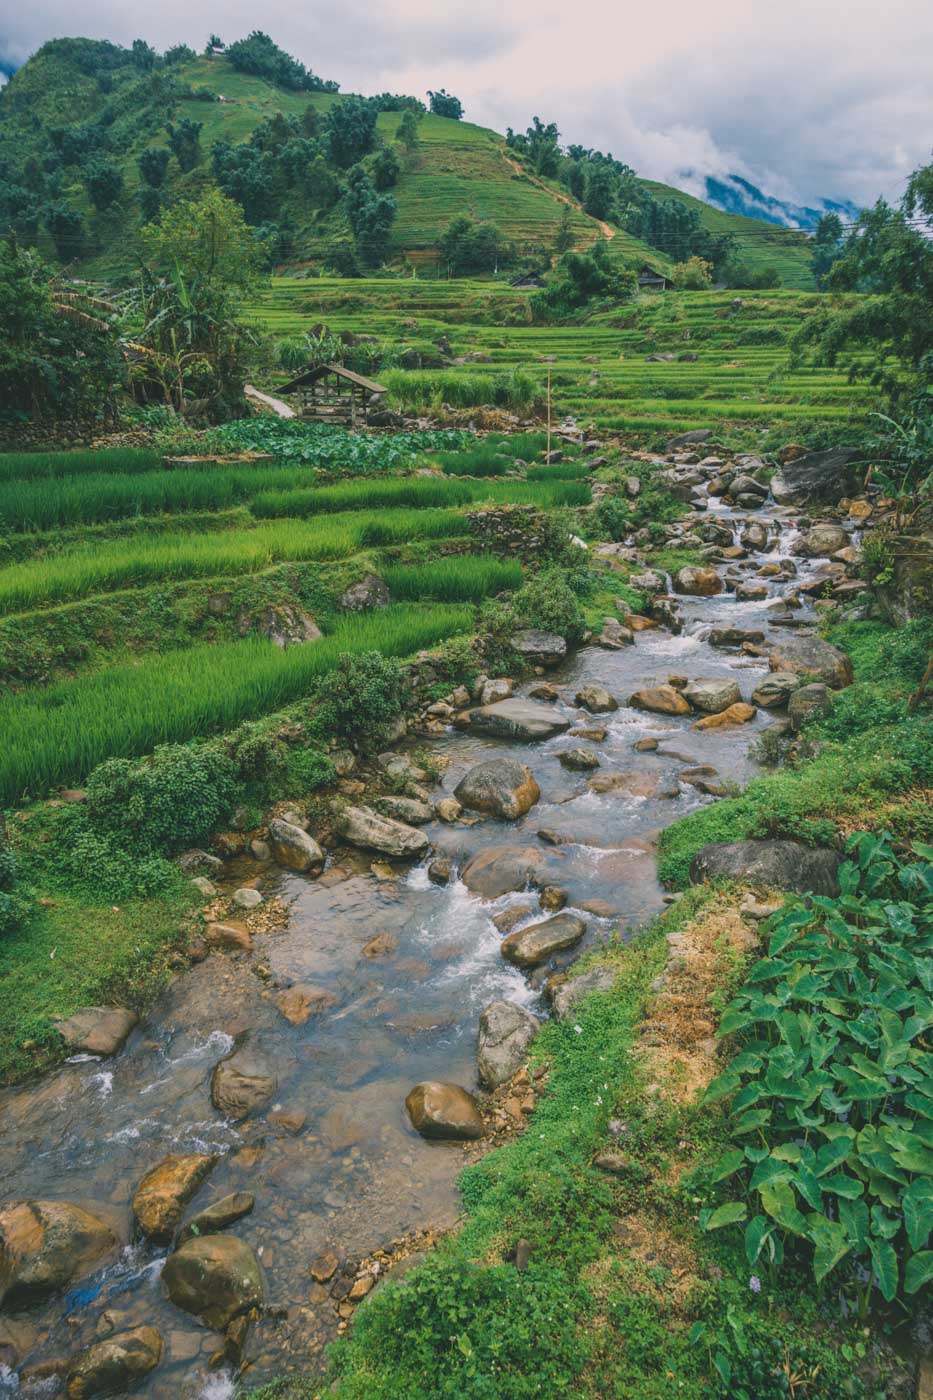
(67, 229)
(579, 279)
(543, 148)
(104, 181)
(214, 41)
(564, 237)
(258, 54)
(341, 259)
(693, 275)
(444, 104)
(59, 356)
(144, 55)
(350, 131)
(407, 132)
(370, 216)
(178, 53)
(199, 261)
(385, 169)
(599, 191)
(468, 247)
(887, 256)
(150, 203)
(827, 246)
(185, 141)
(153, 164)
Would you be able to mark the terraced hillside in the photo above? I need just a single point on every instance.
(730, 368)
(457, 168)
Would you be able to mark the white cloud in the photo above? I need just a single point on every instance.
(805, 98)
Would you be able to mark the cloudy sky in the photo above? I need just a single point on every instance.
(807, 98)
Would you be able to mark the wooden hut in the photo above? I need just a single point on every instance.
(333, 394)
(649, 279)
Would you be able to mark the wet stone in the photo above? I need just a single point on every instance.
(528, 947)
(439, 1110)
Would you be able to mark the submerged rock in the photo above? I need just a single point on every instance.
(115, 1364)
(166, 1189)
(242, 1082)
(505, 1032)
(501, 869)
(524, 720)
(302, 1001)
(218, 1215)
(787, 865)
(528, 947)
(361, 826)
(439, 1110)
(45, 1246)
(502, 787)
(217, 1278)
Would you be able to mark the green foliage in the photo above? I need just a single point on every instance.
(335, 450)
(693, 275)
(580, 279)
(14, 904)
(517, 389)
(461, 579)
(467, 247)
(369, 214)
(307, 769)
(407, 132)
(184, 139)
(826, 1093)
(350, 131)
(104, 180)
(175, 798)
(258, 54)
(444, 104)
(361, 697)
(153, 163)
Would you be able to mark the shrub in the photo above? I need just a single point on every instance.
(308, 769)
(173, 799)
(107, 868)
(13, 903)
(361, 698)
(833, 1147)
(612, 518)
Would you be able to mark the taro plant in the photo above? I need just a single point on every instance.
(830, 1093)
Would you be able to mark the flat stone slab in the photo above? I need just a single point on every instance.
(515, 718)
(530, 946)
(96, 1030)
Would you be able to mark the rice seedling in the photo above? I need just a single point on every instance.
(558, 471)
(417, 492)
(59, 734)
(106, 566)
(462, 578)
(34, 466)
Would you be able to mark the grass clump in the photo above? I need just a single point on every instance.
(466, 578)
(35, 466)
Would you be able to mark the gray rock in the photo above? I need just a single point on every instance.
(540, 648)
(293, 848)
(492, 691)
(409, 810)
(821, 541)
(115, 1364)
(204, 886)
(363, 827)
(745, 485)
(505, 1032)
(648, 582)
(523, 720)
(567, 994)
(500, 870)
(775, 690)
(817, 476)
(813, 656)
(755, 536)
(530, 946)
(786, 865)
(713, 695)
(734, 636)
(579, 759)
(283, 624)
(216, 1278)
(369, 592)
(696, 435)
(243, 1081)
(805, 701)
(218, 1215)
(246, 898)
(501, 787)
(596, 699)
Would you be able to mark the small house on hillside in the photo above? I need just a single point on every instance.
(331, 393)
(649, 279)
(528, 279)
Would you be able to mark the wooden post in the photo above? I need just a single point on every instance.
(549, 411)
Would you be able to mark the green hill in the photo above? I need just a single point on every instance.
(457, 168)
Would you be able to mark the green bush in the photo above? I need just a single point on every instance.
(102, 865)
(613, 518)
(827, 1094)
(308, 769)
(361, 698)
(549, 601)
(14, 905)
(174, 799)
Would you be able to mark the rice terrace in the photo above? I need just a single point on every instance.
(466, 750)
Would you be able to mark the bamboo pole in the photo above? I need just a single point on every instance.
(549, 411)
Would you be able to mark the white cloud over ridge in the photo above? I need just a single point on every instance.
(807, 99)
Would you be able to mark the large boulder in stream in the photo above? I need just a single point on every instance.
(166, 1189)
(500, 870)
(242, 1082)
(660, 700)
(697, 581)
(816, 476)
(47, 1245)
(438, 1110)
(361, 826)
(96, 1030)
(217, 1278)
(814, 657)
(502, 787)
(821, 541)
(523, 720)
(783, 865)
(530, 946)
(114, 1365)
(505, 1032)
(713, 695)
(596, 699)
(295, 849)
(539, 648)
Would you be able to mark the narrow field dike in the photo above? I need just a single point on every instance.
(102, 568)
(58, 735)
(462, 579)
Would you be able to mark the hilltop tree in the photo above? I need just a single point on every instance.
(185, 141)
(144, 55)
(444, 104)
(178, 53)
(407, 132)
(599, 192)
(259, 55)
(350, 131)
(541, 145)
(153, 164)
(104, 182)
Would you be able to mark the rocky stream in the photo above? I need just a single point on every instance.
(295, 1180)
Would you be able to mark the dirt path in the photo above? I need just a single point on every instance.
(606, 229)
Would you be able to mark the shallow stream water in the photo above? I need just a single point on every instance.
(357, 1176)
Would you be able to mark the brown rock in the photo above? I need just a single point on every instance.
(45, 1246)
(736, 714)
(325, 1267)
(438, 1110)
(660, 699)
(216, 1278)
(383, 945)
(298, 1003)
(218, 1215)
(242, 1082)
(530, 946)
(702, 583)
(166, 1189)
(634, 623)
(96, 1030)
(232, 933)
(115, 1364)
(553, 898)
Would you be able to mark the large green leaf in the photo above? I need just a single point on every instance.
(832, 1245)
(884, 1261)
(853, 1216)
(779, 1202)
(756, 1232)
(768, 1171)
(728, 1164)
(832, 1155)
(729, 1214)
(918, 1211)
(843, 1185)
(919, 1270)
